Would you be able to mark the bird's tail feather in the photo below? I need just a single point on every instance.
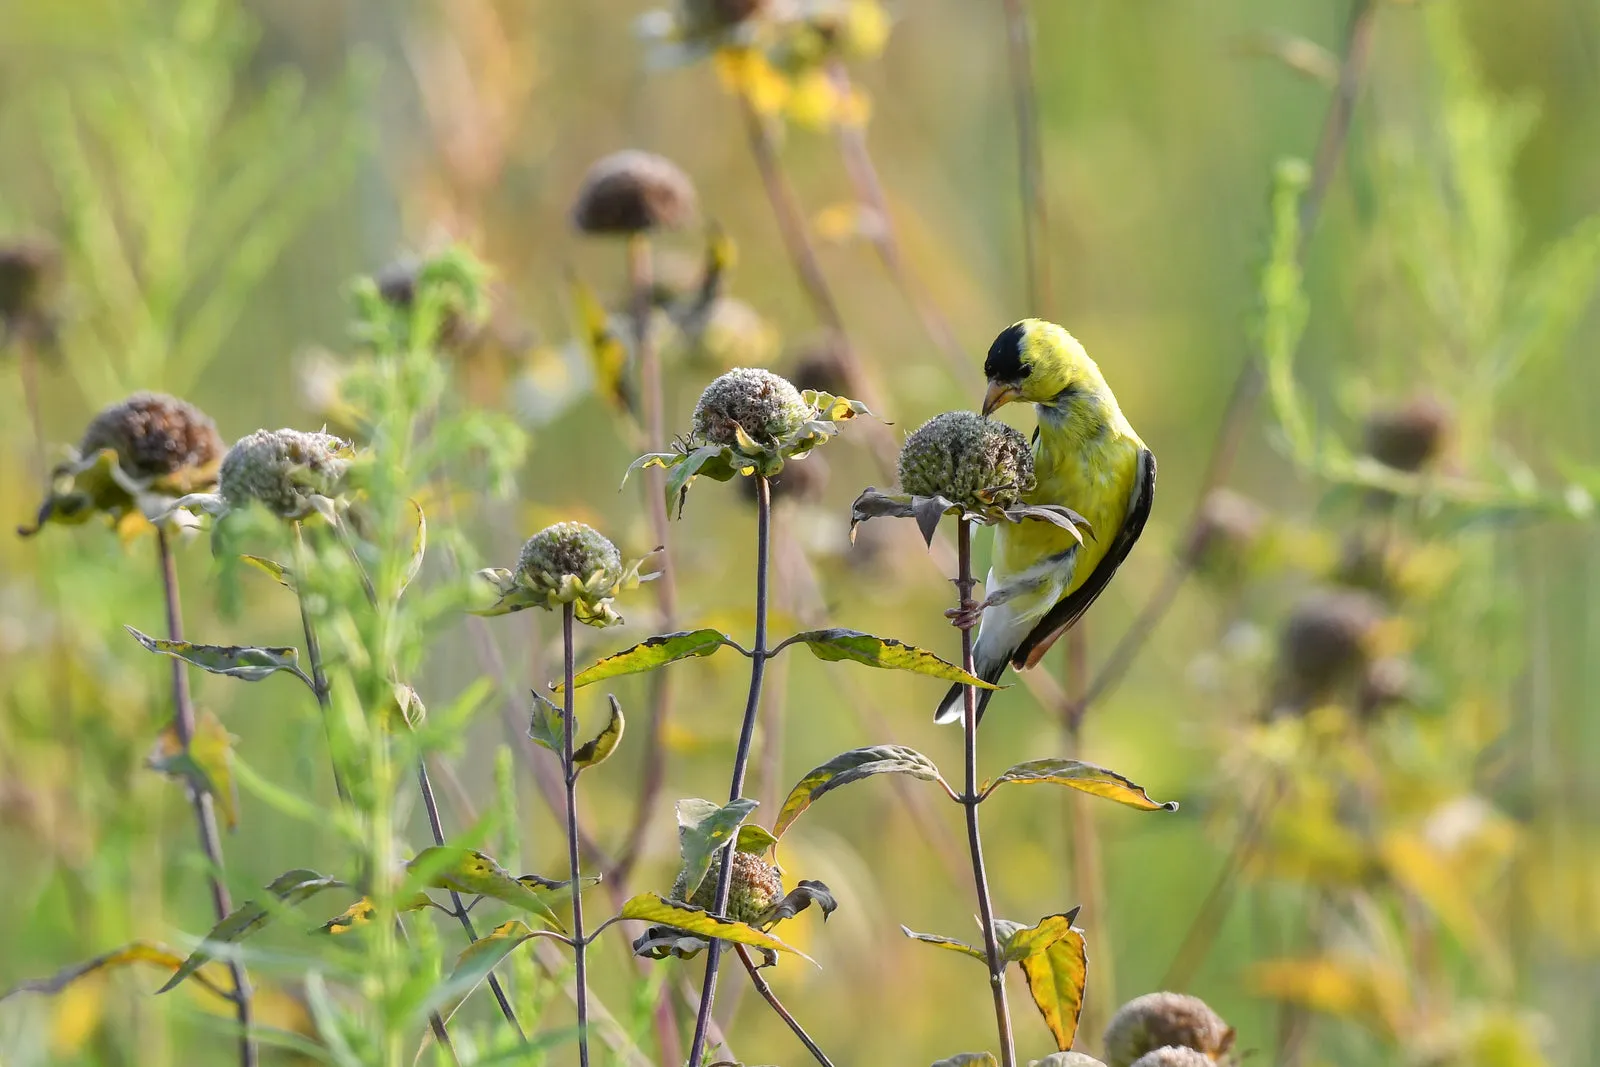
(953, 706)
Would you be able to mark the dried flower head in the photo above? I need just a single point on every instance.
(285, 470)
(966, 458)
(1410, 436)
(1226, 533)
(632, 192)
(765, 406)
(1325, 643)
(1173, 1056)
(755, 886)
(1161, 1020)
(28, 272)
(568, 563)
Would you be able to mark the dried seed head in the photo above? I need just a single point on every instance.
(766, 406)
(1226, 530)
(821, 365)
(1161, 1020)
(1411, 436)
(1326, 642)
(756, 885)
(1173, 1056)
(155, 436)
(569, 550)
(705, 17)
(27, 270)
(632, 192)
(964, 457)
(283, 469)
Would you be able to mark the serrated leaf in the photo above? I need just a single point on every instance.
(654, 908)
(250, 662)
(704, 828)
(151, 952)
(287, 889)
(208, 765)
(852, 766)
(470, 871)
(884, 652)
(604, 743)
(805, 893)
(970, 1059)
(272, 569)
(1054, 961)
(755, 839)
(419, 549)
(1084, 777)
(650, 654)
(473, 966)
(948, 943)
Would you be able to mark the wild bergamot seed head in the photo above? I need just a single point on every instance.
(1159, 1020)
(1173, 1056)
(960, 454)
(763, 404)
(283, 469)
(633, 192)
(156, 436)
(756, 886)
(568, 550)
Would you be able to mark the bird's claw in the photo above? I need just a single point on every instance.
(965, 618)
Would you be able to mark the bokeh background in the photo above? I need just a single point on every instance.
(214, 172)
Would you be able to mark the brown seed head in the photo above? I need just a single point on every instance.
(1226, 530)
(1411, 436)
(28, 268)
(756, 885)
(633, 192)
(1158, 1020)
(1173, 1056)
(764, 405)
(1325, 642)
(821, 365)
(154, 435)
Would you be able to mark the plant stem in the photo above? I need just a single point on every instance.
(205, 811)
(319, 676)
(777, 1006)
(1030, 158)
(741, 757)
(571, 772)
(970, 801)
(437, 826)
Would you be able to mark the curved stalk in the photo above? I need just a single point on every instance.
(970, 801)
(741, 757)
(777, 1006)
(205, 812)
(570, 771)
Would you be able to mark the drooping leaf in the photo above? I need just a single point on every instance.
(704, 828)
(470, 871)
(207, 766)
(272, 569)
(252, 663)
(360, 913)
(852, 766)
(473, 966)
(806, 893)
(887, 653)
(756, 839)
(419, 549)
(969, 1059)
(1053, 960)
(949, 943)
(654, 908)
(604, 743)
(151, 952)
(1084, 777)
(650, 654)
(286, 890)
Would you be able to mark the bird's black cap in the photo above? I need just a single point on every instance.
(1004, 363)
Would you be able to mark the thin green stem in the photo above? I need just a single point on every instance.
(205, 812)
(580, 947)
(741, 758)
(319, 676)
(970, 799)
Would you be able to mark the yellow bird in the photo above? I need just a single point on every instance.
(1086, 457)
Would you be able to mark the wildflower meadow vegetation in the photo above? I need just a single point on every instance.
(454, 615)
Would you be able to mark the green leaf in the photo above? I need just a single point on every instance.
(949, 943)
(207, 765)
(470, 871)
(753, 838)
(798, 899)
(134, 952)
(1085, 777)
(1053, 960)
(970, 1059)
(830, 408)
(272, 569)
(360, 913)
(419, 549)
(287, 889)
(852, 766)
(884, 652)
(650, 654)
(545, 726)
(252, 663)
(473, 966)
(604, 743)
(654, 908)
(704, 829)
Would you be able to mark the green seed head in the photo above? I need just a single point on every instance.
(157, 436)
(967, 458)
(634, 192)
(755, 887)
(1162, 1020)
(569, 550)
(1173, 1056)
(766, 406)
(283, 469)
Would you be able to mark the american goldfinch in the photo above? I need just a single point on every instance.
(1086, 457)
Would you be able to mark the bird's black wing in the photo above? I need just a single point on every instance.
(1066, 613)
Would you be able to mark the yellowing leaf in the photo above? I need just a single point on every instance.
(287, 889)
(360, 913)
(249, 662)
(207, 766)
(604, 743)
(477, 873)
(852, 766)
(134, 952)
(948, 943)
(654, 908)
(887, 653)
(1054, 961)
(1084, 777)
(272, 569)
(648, 655)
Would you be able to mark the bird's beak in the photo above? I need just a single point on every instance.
(999, 395)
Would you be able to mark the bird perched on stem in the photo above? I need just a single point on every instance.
(1086, 457)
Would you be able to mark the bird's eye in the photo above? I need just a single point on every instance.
(1024, 370)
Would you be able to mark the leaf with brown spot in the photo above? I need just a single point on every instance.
(1084, 777)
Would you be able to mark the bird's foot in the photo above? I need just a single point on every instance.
(967, 616)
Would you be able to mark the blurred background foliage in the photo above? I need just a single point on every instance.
(1413, 835)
